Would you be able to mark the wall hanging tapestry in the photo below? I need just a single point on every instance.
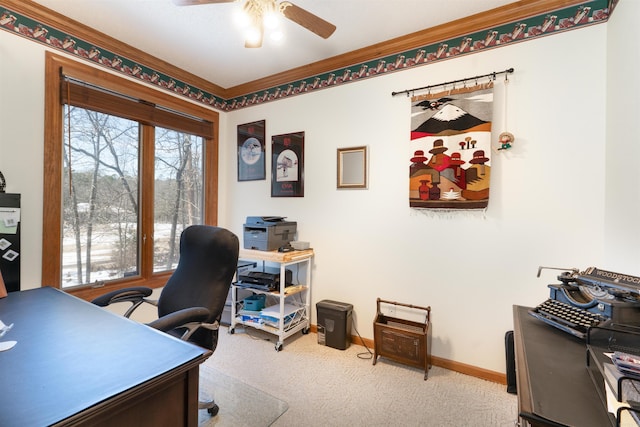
(450, 149)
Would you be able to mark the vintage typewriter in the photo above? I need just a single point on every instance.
(590, 298)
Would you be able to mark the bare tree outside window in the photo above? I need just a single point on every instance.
(100, 197)
(178, 194)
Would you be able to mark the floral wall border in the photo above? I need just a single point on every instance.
(588, 13)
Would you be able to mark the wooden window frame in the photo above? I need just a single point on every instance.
(55, 66)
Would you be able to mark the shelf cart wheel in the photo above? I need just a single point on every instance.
(278, 346)
(305, 331)
(231, 331)
(213, 410)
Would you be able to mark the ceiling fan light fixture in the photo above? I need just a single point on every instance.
(256, 15)
(271, 20)
(252, 45)
(252, 35)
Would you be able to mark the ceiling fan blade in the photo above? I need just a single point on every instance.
(197, 2)
(307, 19)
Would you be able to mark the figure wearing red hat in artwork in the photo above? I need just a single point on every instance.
(478, 177)
(453, 179)
(417, 161)
(439, 161)
(458, 174)
(422, 177)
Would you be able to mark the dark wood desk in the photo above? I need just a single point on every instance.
(78, 364)
(554, 387)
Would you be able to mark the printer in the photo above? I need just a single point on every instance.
(267, 280)
(268, 233)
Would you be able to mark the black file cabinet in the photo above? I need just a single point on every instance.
(10, 240)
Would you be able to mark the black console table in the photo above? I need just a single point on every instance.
(554, 387)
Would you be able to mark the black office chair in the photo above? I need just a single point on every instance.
(192, 301)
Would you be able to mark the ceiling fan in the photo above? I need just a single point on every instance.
(258, 12)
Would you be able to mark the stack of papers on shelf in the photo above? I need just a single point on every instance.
(250, 316)
(271, 314)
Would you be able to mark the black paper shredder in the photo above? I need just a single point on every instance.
(334, 323)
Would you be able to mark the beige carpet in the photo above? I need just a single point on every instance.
(323, 386)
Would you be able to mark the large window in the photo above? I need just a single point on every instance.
(127, 168)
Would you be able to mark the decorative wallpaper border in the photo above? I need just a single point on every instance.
(587, 13)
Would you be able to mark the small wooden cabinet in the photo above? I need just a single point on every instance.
(404, 341)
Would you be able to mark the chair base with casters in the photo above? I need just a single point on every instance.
(191, 303)
(211, 407)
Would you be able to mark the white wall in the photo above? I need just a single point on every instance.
(623, 127)
(546, 206)
(547, 196)
(21, 143)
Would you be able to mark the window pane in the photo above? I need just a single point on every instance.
(178, 193)
(100, 198)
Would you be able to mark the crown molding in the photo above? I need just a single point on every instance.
(480, 21)
(514, 22)
(66, 25)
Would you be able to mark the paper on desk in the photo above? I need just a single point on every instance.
(9, 219)
(7, 345)
(4, 328)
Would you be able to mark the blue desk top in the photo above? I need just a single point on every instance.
(71, 355)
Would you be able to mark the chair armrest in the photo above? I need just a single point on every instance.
(135, 296)
(189, 318)
(122, 295)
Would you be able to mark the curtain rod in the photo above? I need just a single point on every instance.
(492, 75)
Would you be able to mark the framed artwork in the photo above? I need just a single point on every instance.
(287, 165)
(352, 167)
(251, 151)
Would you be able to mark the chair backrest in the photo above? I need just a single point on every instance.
(208, 262)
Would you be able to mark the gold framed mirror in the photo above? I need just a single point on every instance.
(352, 167)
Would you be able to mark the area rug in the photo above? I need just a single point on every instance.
(240, 404)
